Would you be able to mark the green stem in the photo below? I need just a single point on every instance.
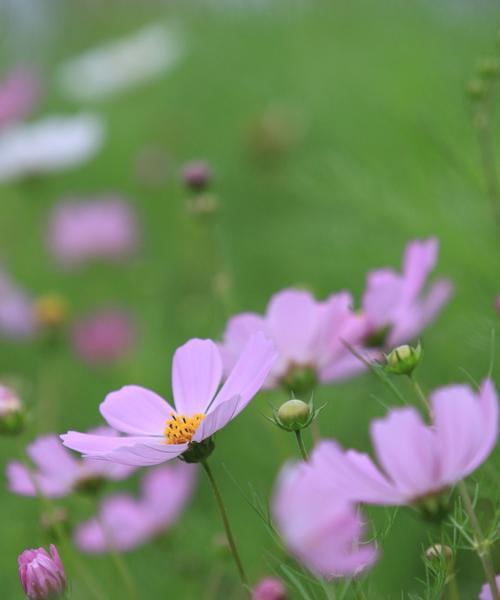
(420, 394)
(451, 581)
(300, 442)
(225, 521)
(480, 542)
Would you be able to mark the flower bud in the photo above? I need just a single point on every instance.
(269, 588)
(42, 574)
(197, 175)
(12, 414)
(202, 205)
(497, 304)
(439, 552)
(488, 67)
(403, 359)
(294, 415)
(55, 522)
(51, 311)
(476, 89)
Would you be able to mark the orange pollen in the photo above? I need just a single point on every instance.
(180, 429)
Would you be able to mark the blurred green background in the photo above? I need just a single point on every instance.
(373, 147)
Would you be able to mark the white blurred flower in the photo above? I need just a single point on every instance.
(120, 64)
(51, 144)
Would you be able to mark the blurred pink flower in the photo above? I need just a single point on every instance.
(19, 94)
(394, 304)
(486, 590)
(417, 460)
(125, 522)
(57, 472)
(269, 588)
(321, 528)
(104, 336)
(156, 432)
(17, 315)
(83, 230)
(197, 175)
(42, 574)
(9, 401)
(308, 335)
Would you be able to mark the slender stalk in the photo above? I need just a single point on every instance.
(300, 443)
(329, 591)
(451, 582)
(227, 526)
(480, 542)
(420, 394)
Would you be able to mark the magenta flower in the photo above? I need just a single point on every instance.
(17, 314)
(197, 175)
(308, 335)
(19, 93)
(57, 472)
(269, 588)
(155, 431)
(42, 574)
(321, 528)
(486, 590)
(417, 460)
(103, 337)
(84, 230)
(125, 522)
(394, 304)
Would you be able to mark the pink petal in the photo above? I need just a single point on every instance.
(239, 330)
(50, 456)
(26, 483)
(419, 260)
(382, 299)
(217, 418)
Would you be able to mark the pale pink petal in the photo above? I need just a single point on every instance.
(382, 298)
(99, 445)
(239, 330)
(217, 418)
(486, 590)
(27, 483)
(348, 365)
(419, 260)
(50, 456)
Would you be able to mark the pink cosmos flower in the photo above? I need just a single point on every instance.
(322, 529)
(125, 522)
(19, 93)
(308, 335)
(156, 431)
(269, 588)
(104, 336)
(57, 472)
(394, 303)
(42, 574)
(417, 460)
(486, 590)
(83, 230)
(17, 315)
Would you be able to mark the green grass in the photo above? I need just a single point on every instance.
(385, 152)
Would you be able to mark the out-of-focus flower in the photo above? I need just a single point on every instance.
(12, 414)
(83, 230)
(394, 305)
(51, 311)
(103, 337)
(309, 338)
(486, 590)
(19, 93)
(125, 522)
(269, 588)
(121, 64)
(42, 574)
(197, 175)
(497, 304)
(58, 473)
(152, 166)
(157, 432)
(418, 461)
(321, 528)
(17, 317)
(49, 145)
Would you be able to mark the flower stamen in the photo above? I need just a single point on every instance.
(179, 429)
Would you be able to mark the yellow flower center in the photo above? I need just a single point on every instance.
(180, 429)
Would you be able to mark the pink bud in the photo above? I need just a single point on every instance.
(269, 588)
(42, 575)
(197, 175)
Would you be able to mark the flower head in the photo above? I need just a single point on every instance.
(155, 430)
(197, 175)
(269, 588)
(416, 460)
(57, 472)
(12, 414)
(42, 574)
(17, 314)
(19, 93)
(125, 522)
(486, 590)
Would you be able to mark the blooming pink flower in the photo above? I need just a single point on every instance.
(42, 574)
(417, 460)
(269, 588)
(125, 522)
(486, 590)
(322, 529)
(19, 93)
(83, 230)
(58, 473)
(157, 432)
(104, 336)
(17, 315)
(308, 335)
(394, 303)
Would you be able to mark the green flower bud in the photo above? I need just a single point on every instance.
(488, 67)
(295, 414)
(403, 359)
(12, 413)
(476, 89)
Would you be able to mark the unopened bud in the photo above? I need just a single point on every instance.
(55, 522)
(294, 415)
(42, 574)
(12, 413)
(51, 311)
(476, 89)
(488, 67)
(403, 359)
(221, 545)
(202, 205)
(197, 175)
(439, 552)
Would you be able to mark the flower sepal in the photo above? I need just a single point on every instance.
(198, 451)
(403, 360)
(295, 414)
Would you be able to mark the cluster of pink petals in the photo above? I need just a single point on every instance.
(125, 522)
(270, 588)
(19, 93)
(104, 336)
(17, 316)
(486, 590)
(42, 574)
(84, 230)
(318, 525)
(307, 333)
(396, 302)
(196, 375)
(416, 460)
(57, 472)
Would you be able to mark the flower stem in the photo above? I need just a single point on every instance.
(225, 521)
(420, 394)
(451, 582)
(480, 542)
(300, 442)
